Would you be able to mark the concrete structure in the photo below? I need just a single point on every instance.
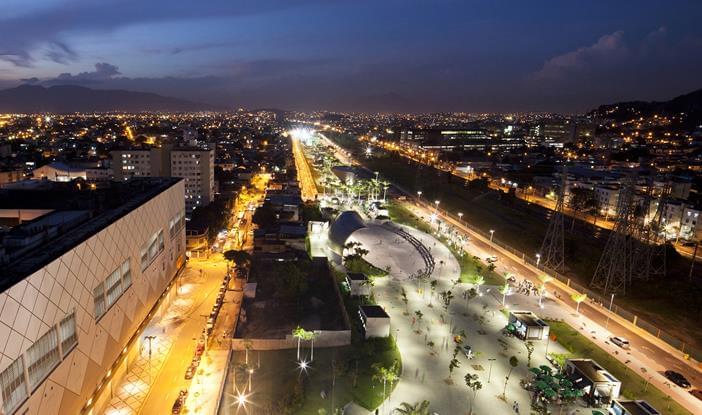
(595, 381)
(375, 321)
(63, 172)
(528, 326)
(341, 229)
(77, 284)
(196, 240)
(194, 164)
(622, 407)
(358, 283)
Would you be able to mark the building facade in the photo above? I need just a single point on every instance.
(196, 167)
(70, 307)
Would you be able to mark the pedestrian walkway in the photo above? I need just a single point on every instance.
(151, 386)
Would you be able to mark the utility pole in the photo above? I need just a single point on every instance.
(552, 248)
(694, 258)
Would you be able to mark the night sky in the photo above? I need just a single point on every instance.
(381, 55)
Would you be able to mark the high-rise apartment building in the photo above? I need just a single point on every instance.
(194, 164)
(81, 271)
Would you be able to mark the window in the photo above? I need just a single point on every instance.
(42, 357)
(99, 298)
(126, 275)
(153, 246)
(13, 385)
(67, 333)
(114, 287)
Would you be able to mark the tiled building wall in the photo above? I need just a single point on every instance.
(31, 307)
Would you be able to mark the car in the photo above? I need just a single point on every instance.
(177, 406)
(491, 259)
(696, 393)
(677, 378)
(468, 352)
(190, 372)
(621, 342)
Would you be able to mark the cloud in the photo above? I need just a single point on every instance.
(24, 35)
(103, 72)
(607, 49)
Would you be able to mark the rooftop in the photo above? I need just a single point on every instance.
(356, 276)
(592, 370)
(74, 213)
(373, 311)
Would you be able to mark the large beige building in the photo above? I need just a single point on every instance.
(194, 164)
(77, 281)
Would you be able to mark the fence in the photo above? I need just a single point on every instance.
(324, 338)
(606, 303)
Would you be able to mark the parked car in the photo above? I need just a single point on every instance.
(621, 342)
(190, 372)
(677, 378)
(177, 407)
(491, 259)
(696, 393)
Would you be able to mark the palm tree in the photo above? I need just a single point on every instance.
(578, 298)
(545, 279)
(310, 336)
(419, 408)
(454, 363)
(385, 374)
(299, 333)
(477, 280)
(248, 345)
(504, 290)
(513, 362)
(473, 383)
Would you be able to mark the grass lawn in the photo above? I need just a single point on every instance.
(633, 384)
(470, 266)
(288, 390)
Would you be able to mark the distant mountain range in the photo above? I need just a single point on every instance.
(689, 103)
(70, 98)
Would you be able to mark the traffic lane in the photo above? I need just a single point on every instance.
(598, 316)
(646, 349)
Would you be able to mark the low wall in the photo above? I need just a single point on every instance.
(324, 339)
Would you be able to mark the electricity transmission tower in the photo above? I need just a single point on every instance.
(613, 272)
(552, 250)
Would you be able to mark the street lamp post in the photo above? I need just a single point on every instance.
(492, 233)
(490, 369)
(460, 217)
(538, 259)
(149, 338)
(611, 303)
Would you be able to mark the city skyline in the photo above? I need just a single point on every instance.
(361, 56)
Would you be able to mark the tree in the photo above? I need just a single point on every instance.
(473, 383)
(550, 387)
(265, 216)
(432, 286)
(419, 315)
(513, 362)
(299, 333)
(453, 364)
(419, 408)
(240, 258)
(545, 279)
(477, 281)
(403, 294)
(530, 350)
(385, 374)
(504, 290)
(446, 297)
(578, 298)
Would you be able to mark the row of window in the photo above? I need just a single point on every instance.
(176, 224)
(108, 291)
(153, 246)
(39, 360)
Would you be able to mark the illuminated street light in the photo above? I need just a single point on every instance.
(460, 217)
(538, 259)
(492, 233)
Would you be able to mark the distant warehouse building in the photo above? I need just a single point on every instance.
(80, 270)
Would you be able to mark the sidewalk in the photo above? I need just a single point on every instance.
(154, 390)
